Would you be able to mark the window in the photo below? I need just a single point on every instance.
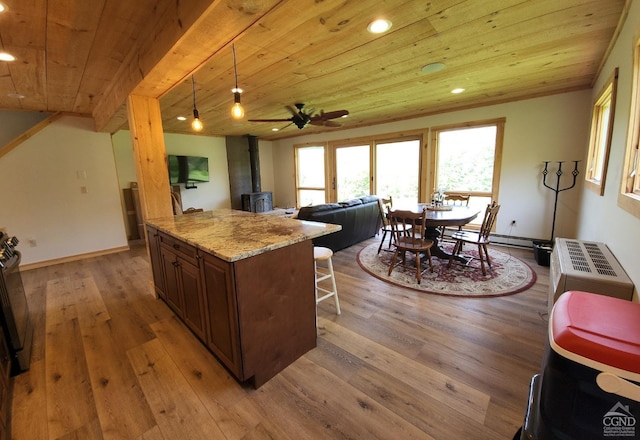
(600, 140)
(310, 175)
(386, 167)
(352, 172)
(630, 189)
(466, 160)
(398, 170)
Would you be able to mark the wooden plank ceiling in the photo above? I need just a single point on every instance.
(85, 57)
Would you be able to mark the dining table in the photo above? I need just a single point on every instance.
(437, 216)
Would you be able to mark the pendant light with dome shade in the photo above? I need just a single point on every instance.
(237, 111)
(196, 124)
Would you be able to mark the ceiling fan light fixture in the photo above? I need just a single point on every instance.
(379, 26)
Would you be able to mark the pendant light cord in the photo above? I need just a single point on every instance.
(193, 89)
(235, 69)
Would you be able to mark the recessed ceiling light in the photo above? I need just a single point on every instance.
(275, 129)
(432, 67)
(6, 57)
(16, 95)
(2, 7)
(379, 26)
(344, 116)
(181, 118)
(458, 90)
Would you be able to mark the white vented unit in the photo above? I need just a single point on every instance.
(586, 266)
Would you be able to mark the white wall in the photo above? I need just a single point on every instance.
(600, 218)
(548, 128)
(214, 194)
(42, 195)
(208, 195)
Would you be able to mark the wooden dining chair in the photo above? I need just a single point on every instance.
(453, 199)
(408, 232)
(384, 206)
(480, 238)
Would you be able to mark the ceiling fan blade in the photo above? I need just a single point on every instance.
(324, 123)
(330, 115)
(269, 120)
(292, 110)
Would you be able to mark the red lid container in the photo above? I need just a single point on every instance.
(598, 328)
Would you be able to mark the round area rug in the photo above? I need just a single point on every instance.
(507, 275)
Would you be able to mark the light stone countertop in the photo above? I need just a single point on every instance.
(232, 235)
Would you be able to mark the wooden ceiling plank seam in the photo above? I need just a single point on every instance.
(70, 32)
(117, 26)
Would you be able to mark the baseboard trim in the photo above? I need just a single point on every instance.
(70, 258)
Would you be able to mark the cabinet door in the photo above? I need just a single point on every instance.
(156, 262)
(172, 293)
(193, 298)
(222, 337)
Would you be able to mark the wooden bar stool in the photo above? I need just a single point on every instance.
(324, 254)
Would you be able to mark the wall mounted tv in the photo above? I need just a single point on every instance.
(188, 169)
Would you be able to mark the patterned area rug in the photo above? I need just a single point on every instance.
(507, 275)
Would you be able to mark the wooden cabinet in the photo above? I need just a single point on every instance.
(222, 336)
(183, 290)
(256, 315)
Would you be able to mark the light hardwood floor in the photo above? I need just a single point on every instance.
(112, 362)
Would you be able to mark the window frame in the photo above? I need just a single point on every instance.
(600, 137)
(420, 135)
(629, 196)
(499, 123)
(296, 149)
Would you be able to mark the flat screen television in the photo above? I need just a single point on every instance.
(186, 169)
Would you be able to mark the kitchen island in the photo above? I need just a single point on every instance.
(244, 284)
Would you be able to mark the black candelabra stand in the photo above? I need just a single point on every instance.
(557, 189)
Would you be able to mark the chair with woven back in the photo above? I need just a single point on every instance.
(408, 233)
(480, 238)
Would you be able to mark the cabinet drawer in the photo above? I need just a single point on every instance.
(180, 248)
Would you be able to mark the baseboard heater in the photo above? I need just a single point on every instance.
(587, 266)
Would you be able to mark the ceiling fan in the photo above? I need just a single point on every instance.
(302, 118)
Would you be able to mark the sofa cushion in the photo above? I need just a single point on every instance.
(352, 202)
(369, 199)
(320, 208)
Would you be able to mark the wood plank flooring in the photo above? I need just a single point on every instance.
(112, 362)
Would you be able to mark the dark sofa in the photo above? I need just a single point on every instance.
(359, 218)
